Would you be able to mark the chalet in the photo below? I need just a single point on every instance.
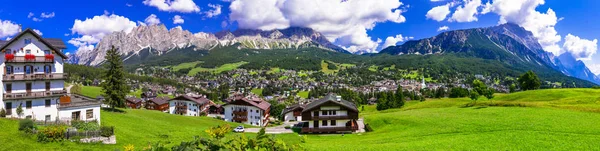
(158, 103)
(247, 109)
(329, 115)
(148, 95)
(215, 109)
(78, 108)
(133, 102)
(293, 113)
(189, 106)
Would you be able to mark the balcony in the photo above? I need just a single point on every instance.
(331, 117)
(240, 113)
(31, 95)
(329, 129)
(28, 77)
(28, 59)
(77, 101)
(240, 119)
(181, 109)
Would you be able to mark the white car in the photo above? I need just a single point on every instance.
(239, 129)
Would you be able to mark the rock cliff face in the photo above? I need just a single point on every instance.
(159, 40)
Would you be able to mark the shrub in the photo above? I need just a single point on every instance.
(52, 134)
(107, 131)
(287, 127)
(368, 128)
(26, 125)
(219, 131)
(85, 126)
(2, 112)
(203, 114)
(129, 147)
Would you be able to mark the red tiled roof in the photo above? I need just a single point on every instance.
(160, 100)
(254, 101)
(200, 100)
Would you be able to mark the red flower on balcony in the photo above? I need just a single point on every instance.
(9, 56)
(49, 57)
(29, 57)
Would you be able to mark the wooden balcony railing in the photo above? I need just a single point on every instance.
(331, 117)
(31, 95)
(329, 129)
(240, 113)
(240, 119)
(36, 59)
(26, 77)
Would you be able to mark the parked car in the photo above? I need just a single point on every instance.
(239, 129)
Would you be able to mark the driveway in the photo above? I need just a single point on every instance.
(274, 130)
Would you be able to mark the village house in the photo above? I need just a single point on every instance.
(133, 102)
(189, 106)
(247, 109)
(33, 80)
(158, 103)
(329, 115)
(293, 113)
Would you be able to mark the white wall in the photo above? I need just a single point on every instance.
(38, 109)
(339, 123)
(193, 107)
(36, 86)
(66, 113)
(290, 117)
(252, 114)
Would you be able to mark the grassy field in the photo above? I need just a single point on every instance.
(186, 65)
(222, 68)
(91, 91)
(303, 94)
(557, 119)
(257, 91)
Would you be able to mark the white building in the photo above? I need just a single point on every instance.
(33, 78)
(293, 113)
(330, 114)
(189, 106)
(249, 110)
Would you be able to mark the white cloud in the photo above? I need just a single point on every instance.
(392, 41)
(437, 0)
(595, 68)
(152, 20)
(215, 11)
(438, 13)
(30, 15)
(38, 32)
(443, 28)
(183, 6)
(128, 5)
(178, 27)
(177, 19)
(92, 30)
(467, 12)
(47, 15)
(581, 49)
(524, 14)
(8, 28)
(331, 18)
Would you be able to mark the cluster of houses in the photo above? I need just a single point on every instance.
(33, 82)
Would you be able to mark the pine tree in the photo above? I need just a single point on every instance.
(114, 86)
(399, 97)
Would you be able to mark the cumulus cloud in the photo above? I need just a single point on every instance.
(524, 14)
(581, 49)
(438, 13)
(177, 19)
(152, 20)
(392, 41)
(215, 11)
(92, 30)
(183, 6)
(331, 18)
(38, 32)
(466, 12)
(443, 28)
(47, 15)
(8, 28)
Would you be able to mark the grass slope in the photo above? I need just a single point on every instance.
(222, 68)
(186, 65)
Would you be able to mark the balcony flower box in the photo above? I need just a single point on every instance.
(29, 57)
(49, 57)
(9, 56)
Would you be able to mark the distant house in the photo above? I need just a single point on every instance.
(189, 106)
(293, 113)
(216, 109)
(330, 114)
(148, 95)
(158, 103)
(372, 101)
(133, 102)
(249, 110)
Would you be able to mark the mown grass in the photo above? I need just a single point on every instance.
(186, 65)
(91, 91)
(257, 91)
(222, 68)
(303, 94)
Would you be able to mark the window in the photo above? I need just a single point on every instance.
(47, 52)
(48, 117)
(324, 112)
(332, 112)
(28, 69)
(28, 51)
(333, 122)
(8, 51)
(89, 114)
(28, 104)
(8, 87)
(48, 103)
(8, 107)
(27, 40)
(47, 86)
(47, 69)
(256, 111)
(324, 123)
(9, 69)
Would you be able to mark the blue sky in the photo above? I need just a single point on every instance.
(365, 25)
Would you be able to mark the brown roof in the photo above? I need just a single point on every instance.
(160, 100)
(45, 41)
(292, 108)
(253, 100)
(200, 100)
(133, 99)
(330, 98)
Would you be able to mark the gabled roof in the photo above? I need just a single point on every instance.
(254, 101)
(160, 100)
(330, 98)
(45, 41)
(200, 100)
(133, 99)
(292, 108)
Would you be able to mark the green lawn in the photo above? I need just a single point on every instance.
(303, 94)
(186, 65)
(222, 68)
(91, 91)
(257, 91)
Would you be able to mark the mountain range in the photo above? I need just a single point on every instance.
(506, 43)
